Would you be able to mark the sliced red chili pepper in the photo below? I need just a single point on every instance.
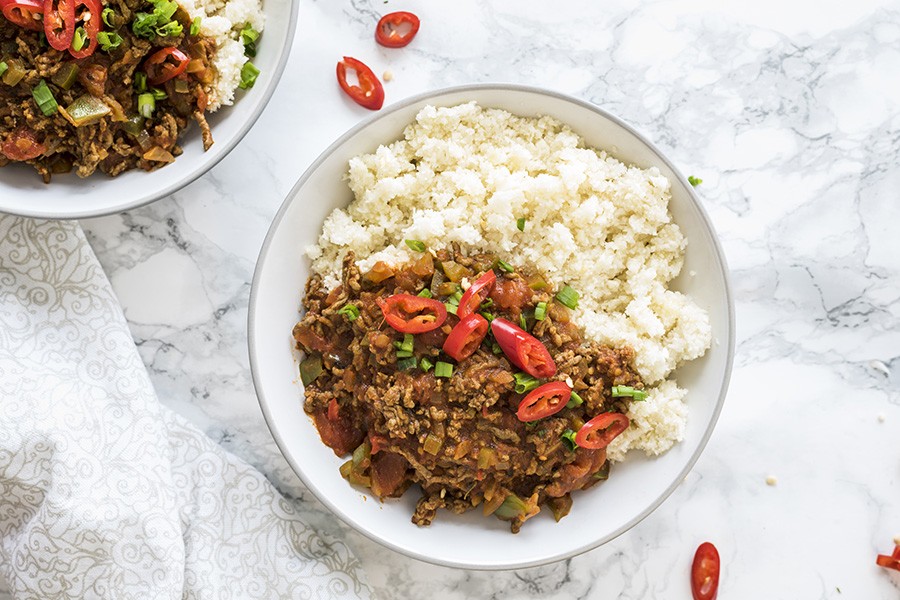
(890, 562)
(412, 314)
(544, 401)
(369, 93)
(165, 64)
(59, 23)
(601, 430)
(476, 294)
(21, 145)
(396, 29)
(705, 572)
(466, 336)
(523, 349)
(24, 13)
(87, 15)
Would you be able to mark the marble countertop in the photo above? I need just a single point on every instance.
(788, 111)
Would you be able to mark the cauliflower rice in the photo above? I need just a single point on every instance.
(465, 174)
(223, 20)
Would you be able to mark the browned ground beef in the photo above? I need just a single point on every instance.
(458, 438)
(104, 145)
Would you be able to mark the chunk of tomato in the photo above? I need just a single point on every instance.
(21, 145)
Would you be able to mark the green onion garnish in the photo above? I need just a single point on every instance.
(407, 363)
(351, 311)
(195, 26)
(415, 245)
(442, 369)
(694, 181)
(540, 311)
(626, 391)
(520, 223)
(408, 342)
(43, 97)
(487, 303)
(425, 293)
(109, 40)
(525, 382)
(451, 308)
(404, 353)
(170, 29)
(107, 16)
(158, 94)
(425, 364)
(574, 400)
(568, 297)
(3, 68)
(146, 105)
(489, 316)
(249, 73)
(523, 322)
(140, 82)
(249, 37)
(455, 297)
(505, 266)
(568, 438)
(79, 40)
(495, 348)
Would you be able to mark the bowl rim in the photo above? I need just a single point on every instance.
(205, 166)
(400, 105)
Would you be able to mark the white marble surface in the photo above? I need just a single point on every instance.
(789, 111)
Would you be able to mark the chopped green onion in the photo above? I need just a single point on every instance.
(79, 40)
(451, 308)
(568, 438)
(158, 94)
(425, 293)
(525, 382)
(404, 353)
(109, 40)
(520, 223)
(170, 29)
(140, 82)
(146, 105)
(310, 368)
(568, 297)
(143, 24)
(694, 181)
(107, 16)
(487, 303)
(443, 369)
(455, 297)
(425, 364)
(3, 68)
(574, 400)
(488, 316)
(505, 266)
(249, 37)
(523, 322)
(43, 97)
(404, 364)
(495, 348)
(249, 73)
(626, 391)
(415, 245)
(350, 311)
(195, 26)
(408, 342)
(540, 311)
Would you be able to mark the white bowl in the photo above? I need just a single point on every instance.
(638, 485)
(22, 192)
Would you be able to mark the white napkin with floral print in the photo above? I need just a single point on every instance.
(105, 493)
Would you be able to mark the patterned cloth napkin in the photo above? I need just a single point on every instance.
(104, 493)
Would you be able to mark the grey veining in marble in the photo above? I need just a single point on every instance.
(790, 113)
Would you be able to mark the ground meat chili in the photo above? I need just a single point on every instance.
(114, 100)
(410, 414)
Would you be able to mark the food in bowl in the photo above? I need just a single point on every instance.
(87, 85)
(590, 246)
